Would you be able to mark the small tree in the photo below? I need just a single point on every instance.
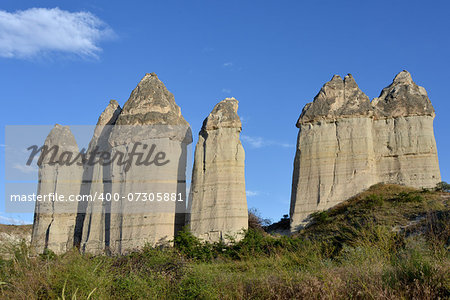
(443, 187)
(255, 221)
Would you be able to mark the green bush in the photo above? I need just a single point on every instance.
(409, 197)
(192, 247)
(443, 187)
(320, 217)
(374, 200)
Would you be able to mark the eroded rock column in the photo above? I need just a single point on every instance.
(94, 215)
(153, 196)
(404, 142)
(217, 203)
(60, 173)
(346, 144)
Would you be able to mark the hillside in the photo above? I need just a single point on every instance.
(11, 235)
(387, 242)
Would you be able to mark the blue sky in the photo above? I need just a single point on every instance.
(273, 56)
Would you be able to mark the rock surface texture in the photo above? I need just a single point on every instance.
(347, 143)
(149, 118)
(54, 221)
(217, 203)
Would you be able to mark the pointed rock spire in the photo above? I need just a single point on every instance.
(224, 115)
(403, 77)
(337, 98)
(104, 125)
(403, 97)
(151, 103)
(110, 114)
(61, 136)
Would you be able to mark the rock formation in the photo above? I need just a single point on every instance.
(150, 118)
(94, 215)
(346, 144)
(134, 171)
(403, 135)
(217, 203)
(54, 221)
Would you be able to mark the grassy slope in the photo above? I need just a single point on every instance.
(388, 242)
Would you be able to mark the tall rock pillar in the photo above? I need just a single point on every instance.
(217, 203)
(93, 215)
(152, 200)
(404, 142)
(334, 157)
(60, 172)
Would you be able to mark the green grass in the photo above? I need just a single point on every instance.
(389, 242)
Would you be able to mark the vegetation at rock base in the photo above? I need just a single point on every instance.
(388, 242)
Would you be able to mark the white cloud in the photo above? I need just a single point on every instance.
(228, 64)
(259, 142)
(256, 142)
(228, 91)
(251, 193)
(25, 169)
(8, 220)
(36, 31)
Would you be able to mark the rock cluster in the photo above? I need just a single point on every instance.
(347, 143)
(150, 118)
(217, 202)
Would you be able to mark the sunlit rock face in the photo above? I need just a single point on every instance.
(92, 218)
(150, 118)
(346, 144)
(403, 134)
(217, 203)
(54, 221)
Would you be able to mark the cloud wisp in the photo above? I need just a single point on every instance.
(13, 221)
(25, 169)
(40, 31)
(259, 142)
(251, 193)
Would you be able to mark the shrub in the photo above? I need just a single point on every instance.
(192, 247)
(374, 200)
(320, 217)
(443, 187)
(409, 197)
(255, 221)
(282, 225)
